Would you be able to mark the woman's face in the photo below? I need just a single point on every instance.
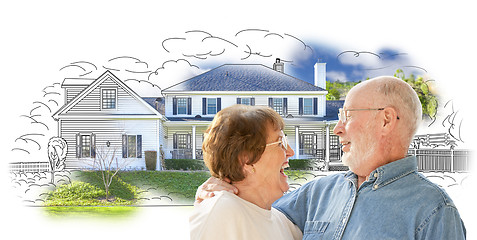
(269, 168)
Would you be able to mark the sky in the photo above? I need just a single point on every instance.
(146, 42)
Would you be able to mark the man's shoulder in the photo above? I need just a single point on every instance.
(428, 191)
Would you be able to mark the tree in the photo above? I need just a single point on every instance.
(429, 101)
(106, 162)
(57, 149)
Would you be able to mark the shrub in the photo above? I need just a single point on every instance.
(184, 164)
(300, 164)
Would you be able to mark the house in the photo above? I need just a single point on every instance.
(191, 105)
(105, 112)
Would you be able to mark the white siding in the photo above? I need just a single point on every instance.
(125, 104)
(112, 131)
(229, 100)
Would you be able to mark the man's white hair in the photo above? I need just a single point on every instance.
(399, 95)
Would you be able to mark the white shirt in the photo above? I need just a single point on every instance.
(227, 216)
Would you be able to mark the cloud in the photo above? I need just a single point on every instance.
(334, 76)
(144, 88)
(172, 72)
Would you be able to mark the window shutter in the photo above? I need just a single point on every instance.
(300, 106)
(189, 106)
(239, 100)
(93, 145)
(219, 104)
(315, 106)
(125, 146)
(139, 146)
(174, 141)
(204, 106)
(174, 106)
(285, 106)
(270, 102)
(252, 101)
(78, 145)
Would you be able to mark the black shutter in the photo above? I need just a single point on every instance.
(315, 106)
(285, 106)
(204, 106)
(219, 104)
(174, 141)
(252, 101)
(270, 102)
(78, 145)
(139, 146)
(300, 106)
(125, 146)
(93, 145)
(174, 106)
(189, 106)
(239, 100)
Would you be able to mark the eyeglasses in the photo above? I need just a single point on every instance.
(283, 141)
(343, 114)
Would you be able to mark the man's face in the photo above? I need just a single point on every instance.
(358, 134)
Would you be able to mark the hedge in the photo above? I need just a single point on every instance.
(184, 164)
(198, 164)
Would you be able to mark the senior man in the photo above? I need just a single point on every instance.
(382, 196)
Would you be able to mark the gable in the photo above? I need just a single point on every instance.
(107, 95)
(243, 77)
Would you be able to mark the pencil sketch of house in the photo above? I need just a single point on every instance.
(106, 112)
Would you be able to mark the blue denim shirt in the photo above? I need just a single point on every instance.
(396, 202)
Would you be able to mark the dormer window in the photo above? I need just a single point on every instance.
(108, 99)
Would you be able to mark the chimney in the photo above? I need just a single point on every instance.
(279, 66)
(320, 74)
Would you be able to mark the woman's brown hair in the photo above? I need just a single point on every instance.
(237, 133)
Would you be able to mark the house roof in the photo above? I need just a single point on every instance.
(93, 85)
(243, 77)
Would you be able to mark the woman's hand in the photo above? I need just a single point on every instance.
(206, 190)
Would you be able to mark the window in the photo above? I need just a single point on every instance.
(307, 106)
(211, 105)
(132, 146)
(279, 105)
(182, 105)
(85, 145)
(246, 101)
(108, 98)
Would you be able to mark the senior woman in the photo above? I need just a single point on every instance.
(246, 145)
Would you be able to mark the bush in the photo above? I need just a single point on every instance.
(151, 160)
(300, 164)
(184, 164)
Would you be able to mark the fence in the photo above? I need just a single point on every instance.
(30, 167)
(442, 160)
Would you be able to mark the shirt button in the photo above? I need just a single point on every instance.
(375, 186)
(376, 175)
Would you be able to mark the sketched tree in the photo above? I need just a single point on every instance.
(108, 164)
(57, 149)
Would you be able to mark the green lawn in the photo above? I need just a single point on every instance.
(115, 212)
(87, 188)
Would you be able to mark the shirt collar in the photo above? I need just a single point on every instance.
(390, 172)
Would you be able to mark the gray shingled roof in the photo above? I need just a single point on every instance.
(243, 77)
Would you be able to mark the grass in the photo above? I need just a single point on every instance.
(101, 212)
(87, 188)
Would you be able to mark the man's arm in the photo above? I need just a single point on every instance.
(443, 224)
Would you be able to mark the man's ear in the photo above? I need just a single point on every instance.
(390, 119)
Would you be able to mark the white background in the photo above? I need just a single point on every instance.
(39, 37)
